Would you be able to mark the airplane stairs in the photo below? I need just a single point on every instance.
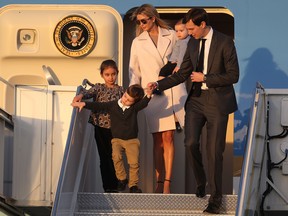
(74, 194)
(119, 204)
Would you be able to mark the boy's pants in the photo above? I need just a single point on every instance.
(131, 147)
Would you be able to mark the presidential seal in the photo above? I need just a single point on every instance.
(74, 36)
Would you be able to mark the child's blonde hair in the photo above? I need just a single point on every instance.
(150, 11)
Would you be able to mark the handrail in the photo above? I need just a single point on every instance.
(3, 114)
(74, 158)
(9, 209)
(6, 117)
(64, 162)
(248, 188)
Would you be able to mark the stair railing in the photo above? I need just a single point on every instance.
(73, 169)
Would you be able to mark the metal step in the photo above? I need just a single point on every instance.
(148, 204)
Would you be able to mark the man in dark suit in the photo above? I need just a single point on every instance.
(211, 99)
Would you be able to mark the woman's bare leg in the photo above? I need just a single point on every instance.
(168, 154)
(158, 161)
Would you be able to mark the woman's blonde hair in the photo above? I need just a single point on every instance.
(149, 11)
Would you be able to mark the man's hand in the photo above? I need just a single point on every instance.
(197, 77)
(152, 85)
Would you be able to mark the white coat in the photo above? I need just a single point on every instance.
(146, 60)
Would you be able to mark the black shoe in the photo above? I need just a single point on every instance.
(111, 191)
(122, 185)
(135, 189)
(200, 192)
(212, 209)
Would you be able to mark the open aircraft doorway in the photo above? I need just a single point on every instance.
(222, 20)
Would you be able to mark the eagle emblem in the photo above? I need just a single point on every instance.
(74, 35)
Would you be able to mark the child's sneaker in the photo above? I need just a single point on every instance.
(122, 185)
(135, 189)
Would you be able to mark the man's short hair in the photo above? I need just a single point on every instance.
(197, 15)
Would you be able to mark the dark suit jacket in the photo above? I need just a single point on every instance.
(222, 71)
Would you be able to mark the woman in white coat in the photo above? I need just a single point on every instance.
(150, 51)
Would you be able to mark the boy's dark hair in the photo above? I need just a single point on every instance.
(197, 15)
(135, 91)
(108, 63)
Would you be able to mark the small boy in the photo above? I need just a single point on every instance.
(178, 51)
(124, 127)
(176, 59)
